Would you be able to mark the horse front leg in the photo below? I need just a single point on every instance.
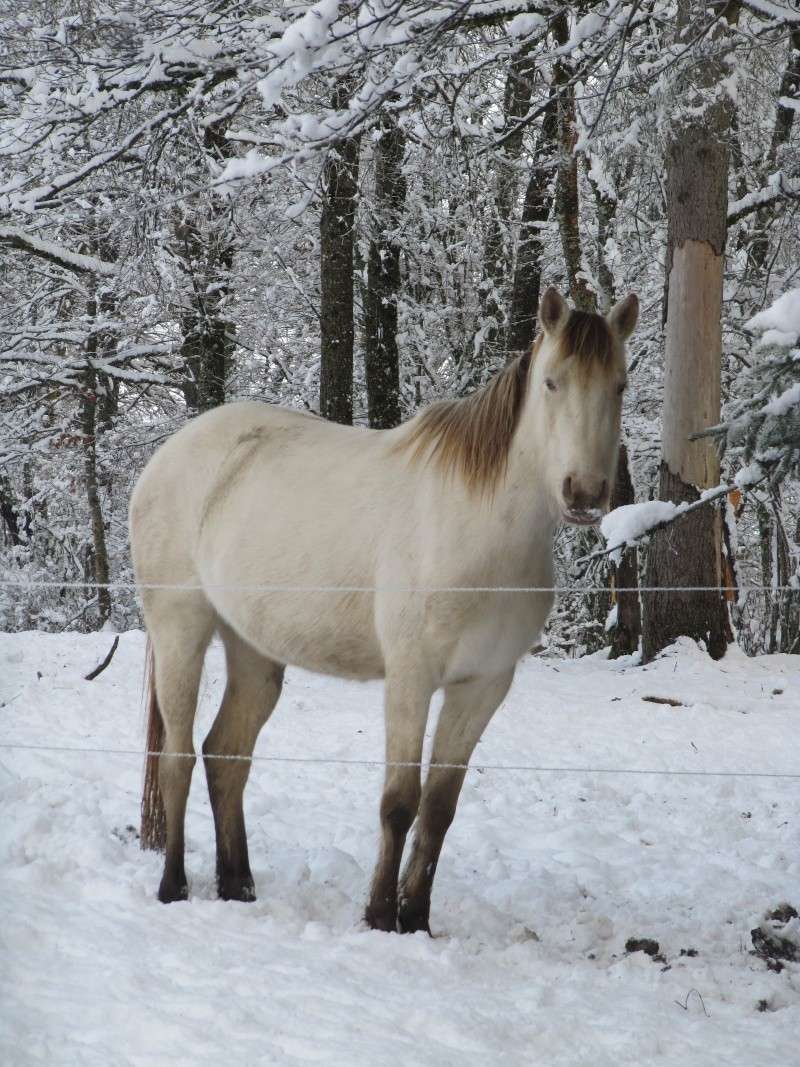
(406, 711)
(467, 709)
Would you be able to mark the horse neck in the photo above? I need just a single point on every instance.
(521, 511)
(526, 488)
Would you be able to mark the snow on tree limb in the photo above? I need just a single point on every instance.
(763, 427)
(56, 253)
(781, 13)
(627, 526)
(778, 187)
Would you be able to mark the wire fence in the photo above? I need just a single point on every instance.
(11, 583)
(561, 590)
(340, 761)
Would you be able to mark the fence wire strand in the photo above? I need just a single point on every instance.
(342, 761)
(376, 763)
(17, 583)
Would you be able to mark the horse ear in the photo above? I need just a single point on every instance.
(553, 310)
(623, 316)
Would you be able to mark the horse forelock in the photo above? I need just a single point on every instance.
(472, 436)
(587, 337)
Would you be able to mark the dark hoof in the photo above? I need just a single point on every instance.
(411, 921)
(381, 919)
(169, 891)
(241, 889)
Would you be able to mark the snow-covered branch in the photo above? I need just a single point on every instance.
(56, 253)
(627, 526)
(778, 187)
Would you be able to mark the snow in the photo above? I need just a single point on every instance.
(749, 475)
(777, 186)
(630, 521)
(779, 324)
(783, 404)
(543, 878)
(65, 256)
(780, 12)
(585, 27)
(240, 168)
(522, 25)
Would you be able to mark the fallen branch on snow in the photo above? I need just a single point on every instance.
(102, 666)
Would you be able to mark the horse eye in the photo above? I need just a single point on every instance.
(621, 388)
(551, 385)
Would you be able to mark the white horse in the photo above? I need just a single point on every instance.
(369, 535)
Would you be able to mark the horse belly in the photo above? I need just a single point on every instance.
(329, 633)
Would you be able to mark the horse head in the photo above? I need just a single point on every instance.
(577, 379)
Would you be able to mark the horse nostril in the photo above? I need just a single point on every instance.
(603, 490)
(566, 490)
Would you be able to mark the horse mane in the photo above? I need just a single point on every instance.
(472, 435)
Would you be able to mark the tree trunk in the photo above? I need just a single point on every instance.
(9, 513)
(567, 200)
(688, 552)
(606, 208)
(381, 357)
(337, 235)
(206, 351)
(497, 255)
(89, 428)
(207, 253)
(535, 213)
(781, 626)
(624, 576)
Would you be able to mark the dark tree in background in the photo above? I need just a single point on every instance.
(381, 356)
(337, 239)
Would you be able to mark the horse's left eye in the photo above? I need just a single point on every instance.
(551, 385)
(621, 388)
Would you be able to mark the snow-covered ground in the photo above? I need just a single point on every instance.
(544, 877)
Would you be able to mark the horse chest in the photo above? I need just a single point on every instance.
(494, 632)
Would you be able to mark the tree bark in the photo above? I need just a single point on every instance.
(624, 575)
(381, 356)
(9, 513)
(207, 256)
(567, 197)
(606, 208)
(89, 427)
(337, 235)
(535, 213)
(497, 254)
(688, 553)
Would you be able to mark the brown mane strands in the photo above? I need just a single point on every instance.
(587, 336)
(473, 435)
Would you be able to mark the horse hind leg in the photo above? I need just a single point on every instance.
(467, 709)
(252, 691)
(180, 633)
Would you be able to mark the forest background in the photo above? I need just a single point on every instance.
(352, 208)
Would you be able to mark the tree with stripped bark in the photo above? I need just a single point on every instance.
(689, 552)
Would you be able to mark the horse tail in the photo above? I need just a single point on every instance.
(153, 831)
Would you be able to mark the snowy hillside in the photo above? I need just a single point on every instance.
(544, 878)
